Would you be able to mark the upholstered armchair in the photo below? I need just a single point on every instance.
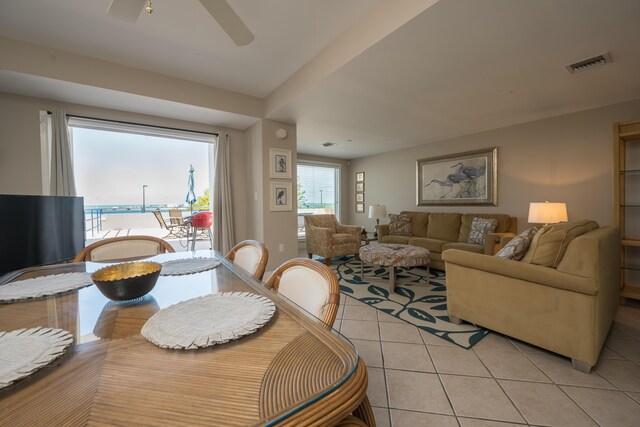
(328, 238)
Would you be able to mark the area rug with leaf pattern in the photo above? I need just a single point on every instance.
(419, 299)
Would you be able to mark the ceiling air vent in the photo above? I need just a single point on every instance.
(328, 144)
(587, 64)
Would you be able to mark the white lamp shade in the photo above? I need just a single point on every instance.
(377, 211)
(547, 213)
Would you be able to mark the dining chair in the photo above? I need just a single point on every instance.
(123, 248)
(314, 287)
(309, 284)
(251, 256)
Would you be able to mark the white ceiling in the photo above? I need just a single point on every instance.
(466, 66)
(459, 67)
(42, 87)
(181, 39)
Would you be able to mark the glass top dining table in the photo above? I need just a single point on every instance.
(293, 371)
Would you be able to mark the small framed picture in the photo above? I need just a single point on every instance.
(359, 187)
(359, 176)
(359, 207)
(279, 163)
(280, 196)
(359, 197)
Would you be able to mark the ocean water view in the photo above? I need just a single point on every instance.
(129, 209)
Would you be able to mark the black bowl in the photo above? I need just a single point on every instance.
(121, 282)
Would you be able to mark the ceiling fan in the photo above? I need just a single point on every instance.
(227, 18)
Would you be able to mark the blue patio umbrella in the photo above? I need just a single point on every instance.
(191, 196)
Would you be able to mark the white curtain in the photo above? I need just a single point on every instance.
(222, 210)
(62, 179)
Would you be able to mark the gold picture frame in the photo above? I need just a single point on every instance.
(469, 178)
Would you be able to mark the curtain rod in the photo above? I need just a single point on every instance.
(140, 124)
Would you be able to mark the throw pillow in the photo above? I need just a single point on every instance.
(400, 225)
(480, 227)
(549, 245)
(519, 245)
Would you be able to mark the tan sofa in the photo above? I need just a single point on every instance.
(567, 310)
(440, 231)
(328, 238)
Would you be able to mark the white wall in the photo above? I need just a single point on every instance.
(271, 228)
(20, 170)
(566, 158)
(20, 164)
(279, 227)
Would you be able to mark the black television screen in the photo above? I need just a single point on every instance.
(39, 230)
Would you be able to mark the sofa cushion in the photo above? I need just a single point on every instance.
(419, 222)
(480, 227)
(444, 226)
(550, 243)
(503, 225)
(434, 245)
(400, 225)
(470, 247)
(519, 245)
(403, 240)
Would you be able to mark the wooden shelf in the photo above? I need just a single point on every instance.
(630, 172)
(626, 135)
(630, 290)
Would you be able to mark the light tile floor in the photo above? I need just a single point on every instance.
(417, 379)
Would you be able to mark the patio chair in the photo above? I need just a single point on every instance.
(174, 230)
(251, 256)
(123, 249)
(175, 217)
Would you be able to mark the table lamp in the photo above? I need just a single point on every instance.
(547, 213)
(377, 212)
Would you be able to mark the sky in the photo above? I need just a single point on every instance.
(112, 167)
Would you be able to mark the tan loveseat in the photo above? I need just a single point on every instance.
(567, 310)
(439, 231)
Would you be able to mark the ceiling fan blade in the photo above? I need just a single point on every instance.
(229, 20)
(126, 10)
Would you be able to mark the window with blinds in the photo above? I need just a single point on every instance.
(318, 190)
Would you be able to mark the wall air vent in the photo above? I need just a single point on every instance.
(587, 64)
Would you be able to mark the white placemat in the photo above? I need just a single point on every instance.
(43, 286)
(24, 351)
(208, 320)
(179, 267)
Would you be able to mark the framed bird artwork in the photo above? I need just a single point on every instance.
(469, 178)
